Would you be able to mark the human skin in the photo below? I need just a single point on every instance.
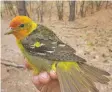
(45, 82)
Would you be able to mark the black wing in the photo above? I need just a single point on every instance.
(51, 48)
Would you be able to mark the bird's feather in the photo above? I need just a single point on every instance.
(79, 78)
(52, 49)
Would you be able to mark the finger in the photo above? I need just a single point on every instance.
(37, 83)
(44, 78)
(27, 65)
(35, 80)
(53, 74)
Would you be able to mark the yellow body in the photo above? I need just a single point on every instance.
(74, 76)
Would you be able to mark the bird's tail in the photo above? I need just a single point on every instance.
(74, 77)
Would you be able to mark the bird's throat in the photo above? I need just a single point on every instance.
(21, 34)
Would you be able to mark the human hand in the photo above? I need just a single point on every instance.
(45, 82)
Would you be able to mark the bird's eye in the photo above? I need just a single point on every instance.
(22, 25)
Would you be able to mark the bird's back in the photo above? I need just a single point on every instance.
(44, 47)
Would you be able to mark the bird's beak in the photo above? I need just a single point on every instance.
(10, 31)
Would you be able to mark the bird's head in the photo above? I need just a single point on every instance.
(21, 26)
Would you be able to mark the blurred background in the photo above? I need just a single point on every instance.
(53, 10)
(84, 25)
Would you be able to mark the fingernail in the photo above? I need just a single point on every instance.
(43, 75)
(53, 74)
(35, 80)
(44, 78)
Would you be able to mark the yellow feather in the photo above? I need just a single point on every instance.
(37, 44)
(67, 65)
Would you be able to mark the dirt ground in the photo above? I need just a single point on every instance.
(91, 37)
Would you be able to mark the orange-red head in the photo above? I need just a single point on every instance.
(21, 26)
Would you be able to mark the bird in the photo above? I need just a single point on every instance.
(44, 51)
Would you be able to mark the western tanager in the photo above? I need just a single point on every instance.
(45, 51)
